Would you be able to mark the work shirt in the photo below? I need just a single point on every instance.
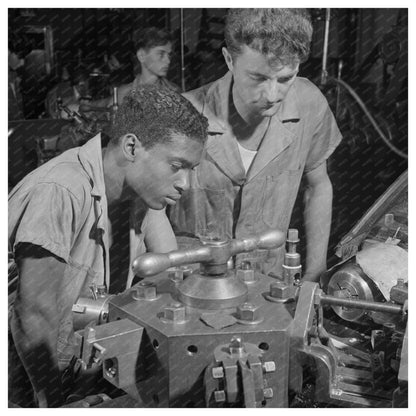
(62, 207)
(225, 200)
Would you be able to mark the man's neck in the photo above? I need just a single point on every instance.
(112, 178)
(147, 77)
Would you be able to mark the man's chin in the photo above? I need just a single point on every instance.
(270, 112)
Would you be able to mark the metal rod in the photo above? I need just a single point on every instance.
(324, 73)
(182, 52)
(362, 304)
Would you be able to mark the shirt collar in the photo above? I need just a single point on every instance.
(90, 157)
(216, 105)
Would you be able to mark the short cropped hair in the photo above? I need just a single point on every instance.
(284, 35)
(150, 38)
(153, 114)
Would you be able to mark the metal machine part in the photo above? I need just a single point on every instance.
(214, 287)
(91, 310)
(350, 282)
(292, 268)
(165, 349)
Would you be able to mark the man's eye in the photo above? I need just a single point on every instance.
(176, 167)
(258, 79)
(287, 79)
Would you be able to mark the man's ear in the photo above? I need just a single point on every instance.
(130, 146)
(228, 58)
(140, 55)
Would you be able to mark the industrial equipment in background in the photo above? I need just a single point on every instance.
(224, 337)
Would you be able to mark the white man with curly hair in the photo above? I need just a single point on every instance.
(59, 227)
(267, 128)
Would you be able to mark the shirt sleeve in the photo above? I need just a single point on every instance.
(326, 138)
(49, 220)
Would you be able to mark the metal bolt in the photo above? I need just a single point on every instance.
(246, 272)
(389, 328)
(146, 290)
(293, 234)
(101, 291)
(218, 372)
(176, 274)
(236, 346)
(219, 396)
(336, 392)
(269, 366)
(111, 372)
(279, 290)
(268, 393)
(248, 312)
(174, 312)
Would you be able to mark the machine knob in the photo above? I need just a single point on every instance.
(215, 253)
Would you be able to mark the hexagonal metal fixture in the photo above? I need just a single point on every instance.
(279, 290)
(269, 367)
(248, 312)
(219, 396)
(246, 275)
(174, 312)
(145, 290)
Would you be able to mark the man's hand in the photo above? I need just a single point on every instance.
(317, 217)
(36, 318)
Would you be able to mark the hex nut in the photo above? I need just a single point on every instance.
(218, 372)
(279, 290)
(219, 396)
(269, 366)
(146, 290)
(246, 275)
(248, 312)
(268, 393)
(174, 312)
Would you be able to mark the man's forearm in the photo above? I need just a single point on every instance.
(317, 217)
(35, 340)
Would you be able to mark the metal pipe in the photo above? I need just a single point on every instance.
(324, 73)
(182, 53)
(362, 304)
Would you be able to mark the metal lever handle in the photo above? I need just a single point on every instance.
(150, 264)
(266, 241)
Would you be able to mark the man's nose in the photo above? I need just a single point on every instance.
(167, 59)
(182, 182)
(272, 91)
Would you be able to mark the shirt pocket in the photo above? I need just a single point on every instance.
(279, 195)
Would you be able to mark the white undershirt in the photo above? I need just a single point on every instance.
(247, 156)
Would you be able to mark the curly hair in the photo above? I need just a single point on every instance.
(150, 37)
(153, 114)
(282, 34)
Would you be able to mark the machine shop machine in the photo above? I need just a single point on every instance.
(225, 337)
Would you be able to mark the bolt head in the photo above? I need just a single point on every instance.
(219, 396)
(279, 290)
(174, 312)
(246, 275)
(218, 372)
(248, 312)
(111, 372)
(146, 290)
(269, 366)
(268, 393)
